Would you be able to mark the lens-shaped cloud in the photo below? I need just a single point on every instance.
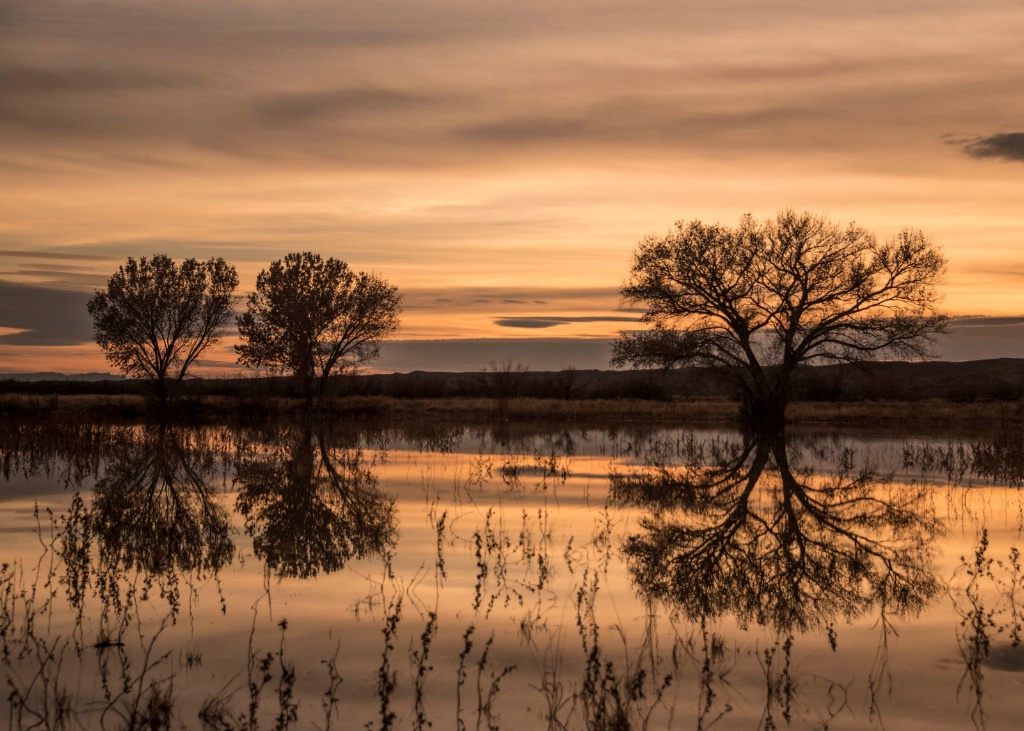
(545, 322)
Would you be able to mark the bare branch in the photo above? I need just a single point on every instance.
(770, 295)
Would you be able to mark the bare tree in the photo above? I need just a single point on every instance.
(505, 377)
(760, 299)
(310, 316)
(155, 318)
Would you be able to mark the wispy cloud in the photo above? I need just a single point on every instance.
(472, 297)
(983, 321)
(339, 103)
(495, 161)
(60, 256)
(545, 322)
(1005, 146)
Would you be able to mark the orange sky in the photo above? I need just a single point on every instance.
(496, 161)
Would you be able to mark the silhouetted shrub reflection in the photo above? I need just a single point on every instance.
(770, 543)
(153, 513)
(65, 450)
(154, 507)
(310, 507)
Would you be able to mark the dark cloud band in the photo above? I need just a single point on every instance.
(544, 322)
(48, 316)
(1005, 146)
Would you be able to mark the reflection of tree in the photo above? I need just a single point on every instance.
(153, 517)
(311, 508)
(153, 509)
(757, 538)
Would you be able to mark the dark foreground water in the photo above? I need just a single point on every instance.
(481, 577)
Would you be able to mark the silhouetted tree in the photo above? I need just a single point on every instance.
(154, 319)
(309, 316)
(767, 296)
(505, 378)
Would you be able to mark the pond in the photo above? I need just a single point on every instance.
(471, 576)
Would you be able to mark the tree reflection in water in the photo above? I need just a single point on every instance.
(758, 537)
(770, 543)
(310, 507)
(153, 513)
(154, 508)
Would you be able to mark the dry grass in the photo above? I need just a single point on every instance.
(72, 404)
(933, 411)
(715, 411)
(528, 409)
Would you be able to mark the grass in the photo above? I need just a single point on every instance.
(588, 411)
(610, 675)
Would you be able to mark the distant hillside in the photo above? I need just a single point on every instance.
(52, 376)
(986, 380)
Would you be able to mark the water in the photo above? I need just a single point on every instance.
(450, 575)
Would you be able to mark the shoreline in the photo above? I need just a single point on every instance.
(717, 411)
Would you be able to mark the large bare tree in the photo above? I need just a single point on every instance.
(154, 319)
(762, 298)
(310, 316)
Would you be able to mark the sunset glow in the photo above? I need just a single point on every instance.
(498, 162)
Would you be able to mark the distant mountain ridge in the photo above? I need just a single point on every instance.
(54, 376)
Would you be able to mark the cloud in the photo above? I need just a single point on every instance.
(427, 297)
(985, 321)
(1005, 146)
(30, 80)
(980, 338)
(295, 107)
(545, 322)
(539, 354)
(527, 322)
(413, 85)
(116, 250)
(44, 315)
(61, 256)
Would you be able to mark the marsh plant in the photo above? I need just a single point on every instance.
(256, 578)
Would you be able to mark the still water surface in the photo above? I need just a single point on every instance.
(506, 576)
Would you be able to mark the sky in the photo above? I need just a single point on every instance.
(497, 161)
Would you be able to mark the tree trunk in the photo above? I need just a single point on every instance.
(765, 410)
(321, 394)
(161, 392)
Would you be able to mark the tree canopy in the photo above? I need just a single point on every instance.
(310, 315)
(766, 296)
(154, 319)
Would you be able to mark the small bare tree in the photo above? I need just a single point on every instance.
(761, 299)
(505, 378)
(310, 316)
(154, 319)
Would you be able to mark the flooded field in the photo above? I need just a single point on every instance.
(361, 575)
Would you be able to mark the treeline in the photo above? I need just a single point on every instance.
(990, 380)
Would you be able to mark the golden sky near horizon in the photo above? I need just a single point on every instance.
(498, 161)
